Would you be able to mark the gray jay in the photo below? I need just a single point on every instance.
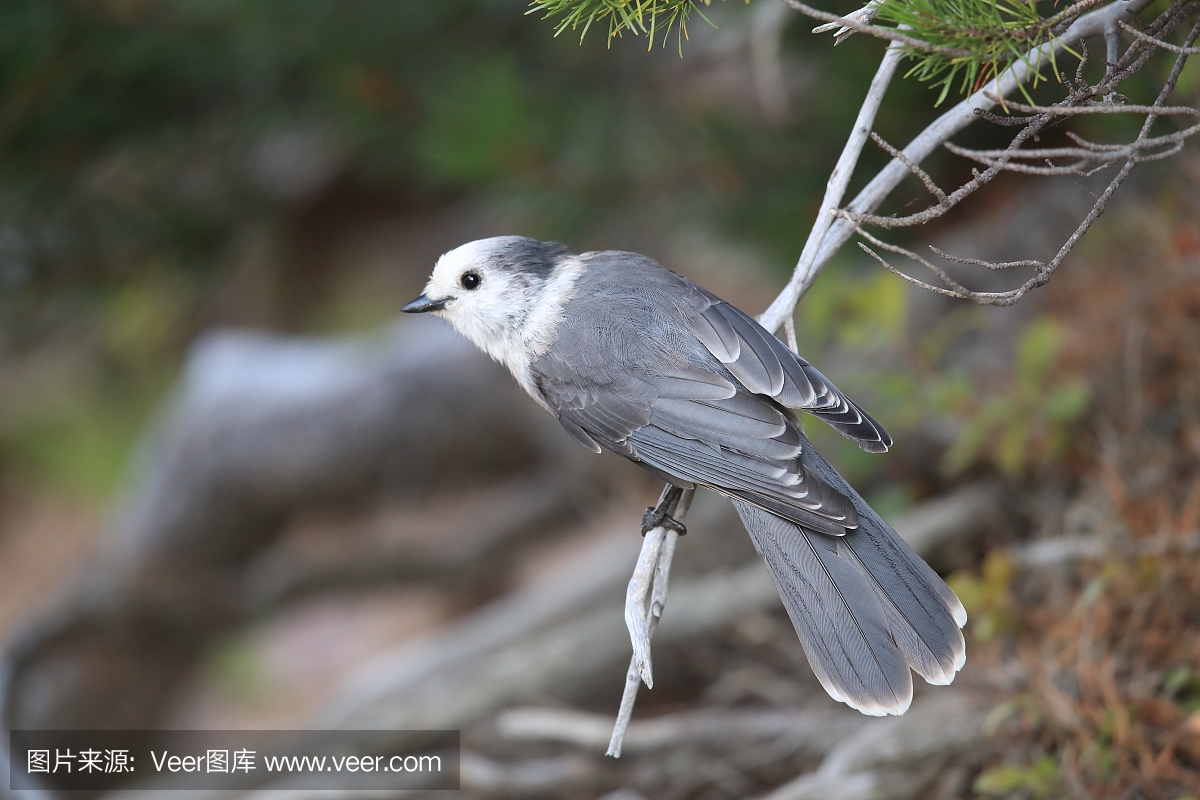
(635, 359)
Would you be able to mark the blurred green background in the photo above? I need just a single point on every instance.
(171, 165)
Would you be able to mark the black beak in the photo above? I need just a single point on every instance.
(422, 304)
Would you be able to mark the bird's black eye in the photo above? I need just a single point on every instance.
(470, 280)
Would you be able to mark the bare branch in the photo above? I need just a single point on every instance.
(1032, 127)
(920, 173)
(864, 16)
(1112, 45)
(1071, 13)
(955, 289)
(1087, 153)
(806, 270)
(1028, 262)
(1099, 108)
(1091, 157)
(1085, 159)
(1174, 48)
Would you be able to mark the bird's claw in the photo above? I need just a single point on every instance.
(657, 517)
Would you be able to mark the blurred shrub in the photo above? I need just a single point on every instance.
(1039, 780)
(987, 597)
(1027, 424)
(1016, 420)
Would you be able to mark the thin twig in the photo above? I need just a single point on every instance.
(1086, 149)
(789, 331)
(1028, 262)
(1099, 108)
(956, 289)
(784, 306)
(1170, 138)
(1032, 127)
(1067, 15)
(913, 168)
(1090, 156)
(1044, 270)
(1174, 48)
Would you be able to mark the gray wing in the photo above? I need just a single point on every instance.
(692, 427)
(766, 366)
(701, 396)
(655, 368)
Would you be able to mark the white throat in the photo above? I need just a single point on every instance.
(517, 346)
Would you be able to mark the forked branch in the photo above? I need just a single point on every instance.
(835, 224)
(1085, 158)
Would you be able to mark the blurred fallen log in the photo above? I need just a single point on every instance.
(425, 691)
(452, 545)
(952, 532)
(260, 431)
(956, 516)
(532, 777)
(409, 678)
(558, 635)
(895, 757)
(1058, 551)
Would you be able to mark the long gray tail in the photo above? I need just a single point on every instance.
(866, 607)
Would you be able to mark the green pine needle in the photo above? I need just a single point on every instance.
(650, 17)
(996, 33)
(971, 41)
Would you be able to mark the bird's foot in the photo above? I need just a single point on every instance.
(657, 517)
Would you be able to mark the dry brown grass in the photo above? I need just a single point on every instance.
(1097, 662)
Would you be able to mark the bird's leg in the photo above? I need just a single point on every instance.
(645, 598)
(659, 516)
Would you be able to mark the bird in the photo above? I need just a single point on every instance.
(633, 358)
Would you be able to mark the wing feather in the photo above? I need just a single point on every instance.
(799, 495)
(739, 417)
(757, 366)
(766, 366)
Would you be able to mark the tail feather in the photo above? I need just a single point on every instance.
(917, 592)
(837, 613)
(866, 607)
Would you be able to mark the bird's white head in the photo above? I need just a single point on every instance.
(505, 294)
